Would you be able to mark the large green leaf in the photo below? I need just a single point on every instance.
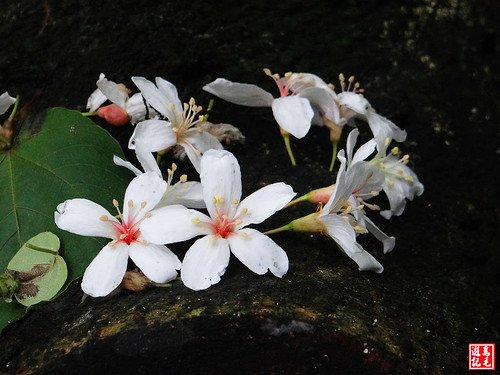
(71, 157)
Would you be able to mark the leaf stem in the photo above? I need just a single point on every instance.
(88, 114)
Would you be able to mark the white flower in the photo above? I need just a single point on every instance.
(5, 102)
(400, 182)
(337, 216)
(353, 104)
(123, 109)
(180, 129)
(292, 113)
(369, 188)
(184, 192)
(206, 261)
(106, 271)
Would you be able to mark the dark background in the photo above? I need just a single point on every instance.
(431, 67)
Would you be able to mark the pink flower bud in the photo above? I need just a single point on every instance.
(321, 195)
(113, 114)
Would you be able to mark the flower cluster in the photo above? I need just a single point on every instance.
(158, 212)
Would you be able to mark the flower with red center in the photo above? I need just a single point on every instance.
(106, 271)
(224, 229)
(293, 113)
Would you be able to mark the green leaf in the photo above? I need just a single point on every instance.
(40, 253)
(71, 157)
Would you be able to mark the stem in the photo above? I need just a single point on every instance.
(41, 249)
(87, 114)
(14, 110)
(304, 198)
(286, 138)
(280, 229)
(334, 154)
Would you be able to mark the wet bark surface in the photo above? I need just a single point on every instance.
(427, 66)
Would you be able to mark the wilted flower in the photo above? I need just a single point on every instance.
(224, 229)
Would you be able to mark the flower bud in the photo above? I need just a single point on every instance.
(135, 281)
(321, 195)
(113, 114)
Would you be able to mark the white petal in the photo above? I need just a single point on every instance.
(157, 262)
(81, 216)
(201, 140)
(364, 151)
(354, 102)
(112, 92)
(146, 158)
(154, 97)
(258, 252)
(305, 80)
(324, 99)
(142, 195)
(293, 114)
(122, 163)
(136, 108)
(157, 135)
(221, 181)
(365, 261)
(341, 231)
(105, 273)
(193, 154)
(169, 91)
(387, 241)
(189, 194)
(205, 262)
(195, 143)
(350, 143)
(239, 93)
(260, 205)
(174, 223)
(383, 129)
(340, 191)
(5, 102)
